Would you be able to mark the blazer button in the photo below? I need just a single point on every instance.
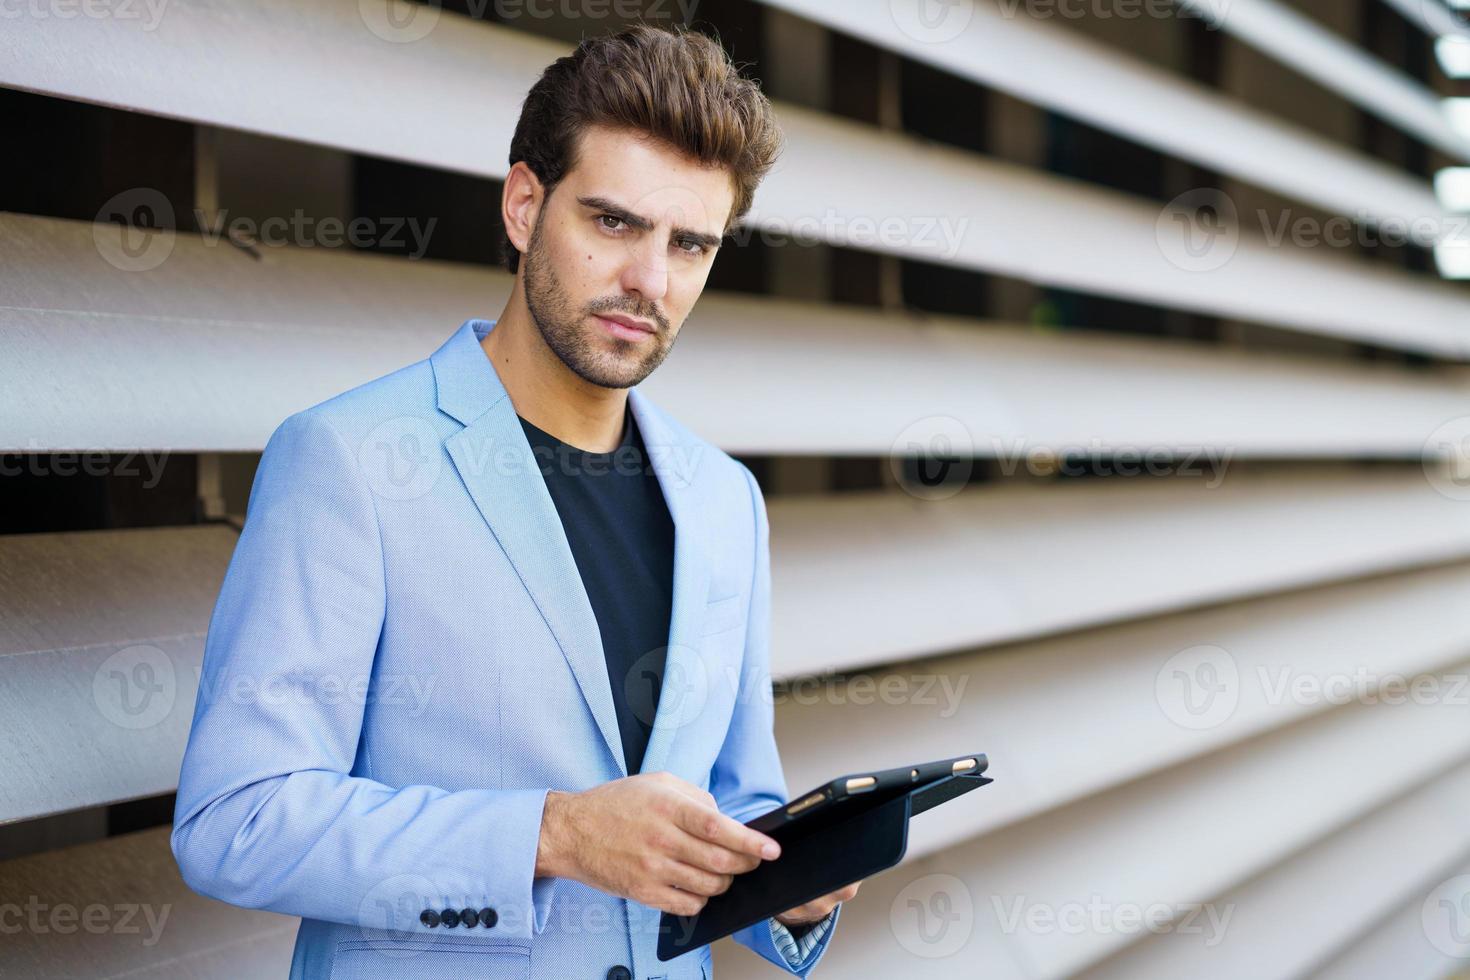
(429, 918)
(467, 918)
(619, 972)
(449, 917)
(488, 918)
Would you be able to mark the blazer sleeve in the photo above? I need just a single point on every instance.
(268, 813)
(747, 779)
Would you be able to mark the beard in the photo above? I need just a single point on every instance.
(589, 352)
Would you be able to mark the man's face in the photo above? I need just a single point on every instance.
(625, 241)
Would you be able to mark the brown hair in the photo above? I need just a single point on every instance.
(678, 86)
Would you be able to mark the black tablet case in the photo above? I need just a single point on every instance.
(855, 839)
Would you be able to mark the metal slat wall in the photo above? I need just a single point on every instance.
(1304, 45)
(1328, 894)
(229, 318)
(1091, 81)
(80, 615)
(145, 922)
(1056, 622)
(953, 204)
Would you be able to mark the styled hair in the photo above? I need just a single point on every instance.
(677, 86)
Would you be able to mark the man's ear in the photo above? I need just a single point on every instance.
(521, 199)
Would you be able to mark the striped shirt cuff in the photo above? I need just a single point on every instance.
(797, 949)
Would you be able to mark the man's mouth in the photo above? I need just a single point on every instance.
(625, 327)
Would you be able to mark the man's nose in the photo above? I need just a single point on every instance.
(647, 269)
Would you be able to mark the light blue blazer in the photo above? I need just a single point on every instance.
(402, 661)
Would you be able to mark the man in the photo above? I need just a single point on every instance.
(471, 711)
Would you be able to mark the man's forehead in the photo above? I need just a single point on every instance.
(651, 179)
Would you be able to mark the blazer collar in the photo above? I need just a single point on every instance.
(494, 459)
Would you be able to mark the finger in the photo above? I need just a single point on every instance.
(697, 881)
(710, 824)
(711, 857)
(693, 792)
(802, 915)
(675, 901)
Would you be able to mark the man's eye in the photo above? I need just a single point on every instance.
(610, 222)
(691, 247)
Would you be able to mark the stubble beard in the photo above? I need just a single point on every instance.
(566, 331)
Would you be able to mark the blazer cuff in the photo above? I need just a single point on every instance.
(763, 939)
(796, 944)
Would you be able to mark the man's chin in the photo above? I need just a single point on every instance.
(611, 373)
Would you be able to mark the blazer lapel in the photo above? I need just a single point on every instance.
(499, 470)
(675, 458)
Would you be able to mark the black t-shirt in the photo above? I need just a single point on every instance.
(622, 537)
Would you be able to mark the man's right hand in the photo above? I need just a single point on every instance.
(652, 837)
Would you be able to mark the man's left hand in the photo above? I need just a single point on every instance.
(817, 909)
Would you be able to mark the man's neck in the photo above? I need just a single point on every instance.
(544, 391)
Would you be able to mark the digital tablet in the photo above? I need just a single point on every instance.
(843, 831)
(816, 809)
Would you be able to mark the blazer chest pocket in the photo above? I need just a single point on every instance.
(723, 614)
(430, 960)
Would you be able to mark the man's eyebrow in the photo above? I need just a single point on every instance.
(643, 224)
